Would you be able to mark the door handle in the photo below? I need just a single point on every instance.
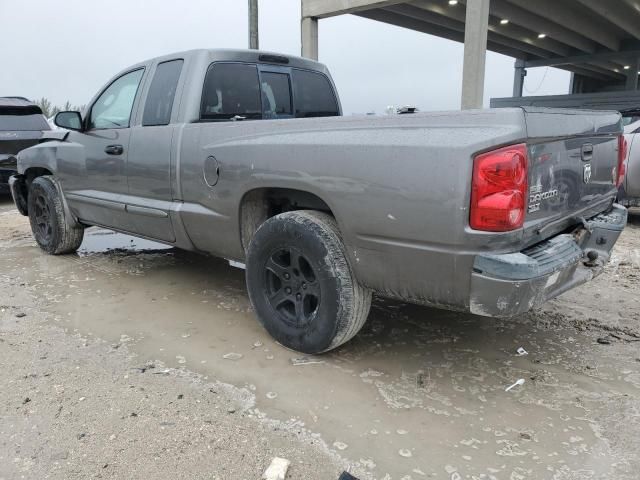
(113, 149)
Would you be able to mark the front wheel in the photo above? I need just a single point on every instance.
(51, 230)
(301, 285)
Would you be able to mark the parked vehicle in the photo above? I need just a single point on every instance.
(491, 211)
(21, 125)
(630, 188)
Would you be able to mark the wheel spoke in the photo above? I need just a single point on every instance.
(299, 306)
(278, 298)
(277, 269)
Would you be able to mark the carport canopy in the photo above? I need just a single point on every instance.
(597, 40)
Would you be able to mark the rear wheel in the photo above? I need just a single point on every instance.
(301, 285)
(53, 232)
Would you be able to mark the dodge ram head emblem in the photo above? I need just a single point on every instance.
(586, 173)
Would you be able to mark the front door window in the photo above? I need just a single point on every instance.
(113, 107)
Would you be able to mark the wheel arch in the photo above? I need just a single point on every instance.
(259, 204)
(42, 159)
(31, 173)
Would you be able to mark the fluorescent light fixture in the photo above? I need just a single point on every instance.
(542, 35)
(627, 67)
(504, 21)
(453, 2)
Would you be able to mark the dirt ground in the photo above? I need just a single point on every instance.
(121, 369)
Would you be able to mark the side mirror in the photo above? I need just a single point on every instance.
(68, 120)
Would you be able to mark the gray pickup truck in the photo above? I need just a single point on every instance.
(245, 155)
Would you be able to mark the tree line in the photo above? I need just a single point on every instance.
(49, 109)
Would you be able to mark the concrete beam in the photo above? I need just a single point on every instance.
(475, 53)
(309, 34)
(571, 19)
(613, 72)
(404, 21)
(594, 67)
(519, 16)
(552, 62)
(330, 8)
(431, 29)
(618, 13)
(587, 71)
(522, 37)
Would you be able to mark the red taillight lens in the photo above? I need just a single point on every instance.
(622, 156)
(499, 189)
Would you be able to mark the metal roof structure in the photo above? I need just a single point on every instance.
(597, 40)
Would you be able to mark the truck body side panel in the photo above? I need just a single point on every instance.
(398, 186)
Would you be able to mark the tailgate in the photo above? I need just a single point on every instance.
(573, 159)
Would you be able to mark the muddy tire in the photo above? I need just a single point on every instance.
(301, 285)
(53, 233)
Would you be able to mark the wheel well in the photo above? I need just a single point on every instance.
(32, 173)
(260, 204)
(22, 187)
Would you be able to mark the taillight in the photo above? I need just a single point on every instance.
(499, 189)
(622, 156)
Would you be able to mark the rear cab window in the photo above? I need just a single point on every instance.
(239, 91)
(162, 92)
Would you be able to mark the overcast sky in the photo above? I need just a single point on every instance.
(67, 49)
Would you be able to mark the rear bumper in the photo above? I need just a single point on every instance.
(510, 284)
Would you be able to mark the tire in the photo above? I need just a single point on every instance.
(301, 285)
(52, 231)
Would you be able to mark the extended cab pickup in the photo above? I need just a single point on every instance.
(245, 155)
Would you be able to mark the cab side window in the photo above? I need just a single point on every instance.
(113, 108)
(231, 90)
(159, 103)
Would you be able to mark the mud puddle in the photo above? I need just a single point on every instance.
(419, 393)
(100, 241)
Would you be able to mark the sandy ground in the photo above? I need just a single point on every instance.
(118, 370)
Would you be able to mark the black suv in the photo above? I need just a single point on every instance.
(21, 125)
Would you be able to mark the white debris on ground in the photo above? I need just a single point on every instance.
(277, 470)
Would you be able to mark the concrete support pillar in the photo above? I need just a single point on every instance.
(573, 84)
(519, 72)
(475, 51)
(632, 74)
(309, 32)
(253, 25)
